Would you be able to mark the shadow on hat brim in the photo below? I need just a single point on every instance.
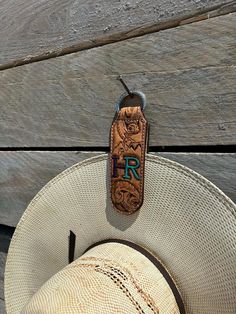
(185, 220)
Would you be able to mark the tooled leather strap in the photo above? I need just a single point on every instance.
(127, 157)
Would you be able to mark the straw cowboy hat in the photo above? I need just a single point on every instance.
(175, 255)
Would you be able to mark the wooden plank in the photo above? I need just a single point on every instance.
(23, 174)
(187, 73)
(2, 307)
(42, 29)
(2, 268)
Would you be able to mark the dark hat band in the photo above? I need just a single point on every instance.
(154, 261)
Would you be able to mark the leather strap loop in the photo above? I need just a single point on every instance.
(127, 158)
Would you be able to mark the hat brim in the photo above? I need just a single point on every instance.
(185, 220)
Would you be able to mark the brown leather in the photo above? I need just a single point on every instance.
(127, 157)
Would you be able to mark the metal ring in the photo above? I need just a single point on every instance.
(138, 93)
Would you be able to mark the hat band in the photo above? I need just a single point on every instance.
(154, 261)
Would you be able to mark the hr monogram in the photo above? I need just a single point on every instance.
(131, 164)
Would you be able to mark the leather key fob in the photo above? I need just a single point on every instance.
(127, 158)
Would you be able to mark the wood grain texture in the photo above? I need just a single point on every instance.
(23, 174)
(40, 29)
(187, 73)
(2, 269)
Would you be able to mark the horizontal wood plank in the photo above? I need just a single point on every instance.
(187, 73)
(23, 174)
(40, 29)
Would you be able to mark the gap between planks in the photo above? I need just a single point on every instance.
(222, 149)
(218, 10)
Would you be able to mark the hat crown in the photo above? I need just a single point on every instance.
(109, 278)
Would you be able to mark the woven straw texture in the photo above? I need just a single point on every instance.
(110, 278)
(185, 220)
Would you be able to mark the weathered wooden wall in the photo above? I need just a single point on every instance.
(38, 29)
(187, 73)
(2, 266)
(58, 111)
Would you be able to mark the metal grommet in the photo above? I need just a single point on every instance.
(130, 98)
(140, 95)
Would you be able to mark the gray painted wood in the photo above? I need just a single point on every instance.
(187, 73)
(23, 174)
(2, 268)
(49, 28)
